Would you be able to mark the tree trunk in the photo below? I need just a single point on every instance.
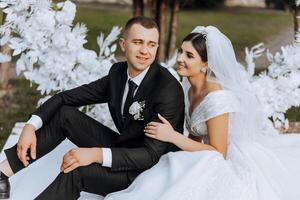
(296, 16)
(152, 5)
(138, 8)
(4, 67)
(173, 28)
(161, 8)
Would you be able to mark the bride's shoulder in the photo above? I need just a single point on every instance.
(217, 102)
(212, 87)
(215, 90)
(219, 96)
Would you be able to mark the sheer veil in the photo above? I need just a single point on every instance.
(225, 70)
(249, 124)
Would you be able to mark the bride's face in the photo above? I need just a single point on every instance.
(189, 61)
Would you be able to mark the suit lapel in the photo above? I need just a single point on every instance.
(120, 86)
(144, 88)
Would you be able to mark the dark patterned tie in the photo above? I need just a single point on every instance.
(129, 98)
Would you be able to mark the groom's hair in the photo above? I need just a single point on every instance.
(199, 43)
(146, 22)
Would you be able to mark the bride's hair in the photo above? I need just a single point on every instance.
(199, 43)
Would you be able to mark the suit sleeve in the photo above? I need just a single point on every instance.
(171, 106)
(92, 93)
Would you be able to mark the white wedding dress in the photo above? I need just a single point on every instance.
(267, 167)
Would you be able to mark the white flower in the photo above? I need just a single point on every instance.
(251, 54)
(44, 20)
(59, 39)
(104, 43)
(4, 58)
(3, 4)
(5, 38)
(67, 14)
(51, 48)
(136, 109)
(278, 86)
(87, 57)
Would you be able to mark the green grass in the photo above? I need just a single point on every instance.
(244, 27)
(293, 114)
(17, 107)
(99, 21)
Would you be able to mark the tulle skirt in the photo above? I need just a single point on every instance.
(267, 168)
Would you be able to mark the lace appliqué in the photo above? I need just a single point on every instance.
(214, 104)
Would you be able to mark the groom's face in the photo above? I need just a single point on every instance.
(140, 46)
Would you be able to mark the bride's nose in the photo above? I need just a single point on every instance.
(179, 58)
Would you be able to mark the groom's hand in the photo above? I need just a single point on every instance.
(78, 157)
(27, 141)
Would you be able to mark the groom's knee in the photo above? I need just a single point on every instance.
(100, 180)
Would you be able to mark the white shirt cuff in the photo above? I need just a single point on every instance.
(35, 121)
(107, 157)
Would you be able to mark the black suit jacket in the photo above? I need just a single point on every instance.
(162, 94)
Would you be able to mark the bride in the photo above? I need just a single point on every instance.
(229, 154)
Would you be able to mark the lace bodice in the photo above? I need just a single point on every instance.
(213, 104)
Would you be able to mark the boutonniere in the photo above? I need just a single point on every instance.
(136, 110)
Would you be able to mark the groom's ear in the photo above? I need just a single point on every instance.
(122, 44)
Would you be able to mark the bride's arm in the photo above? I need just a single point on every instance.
(217, 134)
(195, 138)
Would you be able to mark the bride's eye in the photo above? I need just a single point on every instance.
(179, 51)
(189, 55)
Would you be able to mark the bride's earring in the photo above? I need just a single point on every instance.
(203, 70)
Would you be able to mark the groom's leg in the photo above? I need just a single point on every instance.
(71, 123)
(93, 178)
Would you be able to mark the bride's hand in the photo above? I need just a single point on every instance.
(160, 131)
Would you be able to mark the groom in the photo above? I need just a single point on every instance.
(105, 161)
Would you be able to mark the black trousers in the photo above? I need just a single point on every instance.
(83, 131)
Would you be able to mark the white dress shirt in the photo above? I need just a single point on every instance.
(37, 122)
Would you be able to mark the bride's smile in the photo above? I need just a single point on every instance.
(189, 61)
